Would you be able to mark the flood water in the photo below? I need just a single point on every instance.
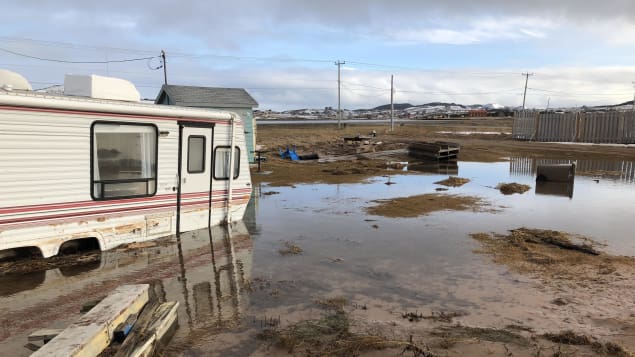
(230, 281)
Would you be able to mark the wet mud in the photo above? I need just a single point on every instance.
(421, 205)
(555, 256)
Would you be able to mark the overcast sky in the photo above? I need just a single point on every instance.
(581, 52)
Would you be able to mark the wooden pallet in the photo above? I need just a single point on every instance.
(438, 150)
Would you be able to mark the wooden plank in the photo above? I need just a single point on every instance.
(44, 334)
(92, 332)
(151, 328)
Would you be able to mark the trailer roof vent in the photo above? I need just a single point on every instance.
(10, 80)
(100, 87)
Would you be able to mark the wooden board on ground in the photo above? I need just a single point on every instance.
(153, 324)
(92, 333)
(44, 334)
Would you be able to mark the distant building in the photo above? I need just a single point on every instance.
(477, 113)
(236, 100)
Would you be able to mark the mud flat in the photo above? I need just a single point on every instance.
(421, 205)
(554, 256)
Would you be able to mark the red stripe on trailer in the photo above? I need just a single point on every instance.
(63, 217)
(83, 204)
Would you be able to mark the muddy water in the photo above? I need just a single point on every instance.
(232, 283)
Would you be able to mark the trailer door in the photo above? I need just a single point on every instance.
(194, 199)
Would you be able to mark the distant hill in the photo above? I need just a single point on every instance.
(397, 106)
(438, 104)
(630, 102)
(402, 106)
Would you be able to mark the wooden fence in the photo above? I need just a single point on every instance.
(591, 127)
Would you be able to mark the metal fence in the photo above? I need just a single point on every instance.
(591, 127)
(623, 171)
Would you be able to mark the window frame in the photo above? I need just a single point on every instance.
(204, 153)
(236, 168)
(92, 161)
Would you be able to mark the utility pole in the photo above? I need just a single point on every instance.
(165, 70)
(392, 107)
(527, 74)
(548, 102)
(339, 109)
(633, 108)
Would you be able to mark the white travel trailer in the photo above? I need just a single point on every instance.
(99, 166)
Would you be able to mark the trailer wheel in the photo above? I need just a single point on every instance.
(77, 246)
(20, 253)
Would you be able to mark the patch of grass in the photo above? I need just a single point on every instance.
(290, 248)
(458, 332)
(610, 349)
(553, 255)
(568, 337)
(335, 303)
(511, 188)
(453, 181)
(331, 336)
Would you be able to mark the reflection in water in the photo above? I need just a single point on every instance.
(203, 270)
(449, 167)
(555, 188)
(212, 269)
(250, 211)
(11, 284)
(623, 171)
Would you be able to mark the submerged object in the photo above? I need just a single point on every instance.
(555, 172)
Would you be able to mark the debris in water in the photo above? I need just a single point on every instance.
(290, 248)
(331, 336)
(486, 334)
(511, 188)
(269, 193)
(568, 338)
(552, 254)
(453, 181)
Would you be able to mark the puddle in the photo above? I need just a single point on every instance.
(233, 284)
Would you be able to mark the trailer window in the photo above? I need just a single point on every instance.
(221, 162)
(124, 160)
(195, 154)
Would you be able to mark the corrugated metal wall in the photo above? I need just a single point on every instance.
(623, 171)
(598, 127)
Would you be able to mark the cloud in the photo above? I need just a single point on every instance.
(479, 30)
(580, 42)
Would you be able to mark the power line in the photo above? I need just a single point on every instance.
(72, 45)
(75, 62)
